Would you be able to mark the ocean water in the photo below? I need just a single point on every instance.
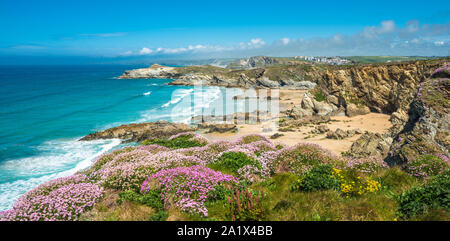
(44, 110)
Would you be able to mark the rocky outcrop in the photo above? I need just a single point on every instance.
(154, 71)
(371, 144)
(218, 127)
(427, 130)
(141, 131)
(289, 76)
(309, 106)
(382, 88)
(253, 62)
(354, 110)
(340, 134)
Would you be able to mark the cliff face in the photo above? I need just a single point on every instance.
(253, 62)
(383, 88)
(300, 76)
(427, 130)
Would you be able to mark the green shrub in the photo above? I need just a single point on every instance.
(318, 95)
(151, 199)
(161, 215)
(219, 193)
(426, 166)
(433, 195)
(184, 141)
(318, 178)
(231, 162)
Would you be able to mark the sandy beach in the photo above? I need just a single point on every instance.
(372, 122)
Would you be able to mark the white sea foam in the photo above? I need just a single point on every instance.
(177, 96)
(60, 158)
(147, 93)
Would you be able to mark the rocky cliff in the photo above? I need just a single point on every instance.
(427, 130)
(300, 76)
(253, 62)
(380, 87)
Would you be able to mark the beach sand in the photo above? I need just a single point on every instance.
(373, 122)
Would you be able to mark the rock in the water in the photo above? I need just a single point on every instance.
(141, 131)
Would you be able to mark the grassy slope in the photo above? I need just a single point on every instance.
(282, 204)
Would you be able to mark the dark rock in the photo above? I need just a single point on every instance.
(141, 131)
(371, 144)
(276, 135)
(221, 128)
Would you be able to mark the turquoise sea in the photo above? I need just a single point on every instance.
(44, 110)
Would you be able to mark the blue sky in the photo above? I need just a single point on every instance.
(99, 30)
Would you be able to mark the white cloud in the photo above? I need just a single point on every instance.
(145, 51)
(285, 41)
(384, 39)
(387, 27)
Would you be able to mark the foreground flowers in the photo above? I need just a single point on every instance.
(193, 178)
(61, 199)
(187, 187)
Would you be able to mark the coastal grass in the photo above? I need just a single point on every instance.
(184, 141)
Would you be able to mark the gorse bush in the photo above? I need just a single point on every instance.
(318, 178)
(433, 195)
(426, 166)
(354, 184)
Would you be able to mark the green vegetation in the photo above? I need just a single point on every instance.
(231, 162)
(151, 199)
(302, 182)
(319, 178)
(184, 141)
(318, 95)
(430, 196)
